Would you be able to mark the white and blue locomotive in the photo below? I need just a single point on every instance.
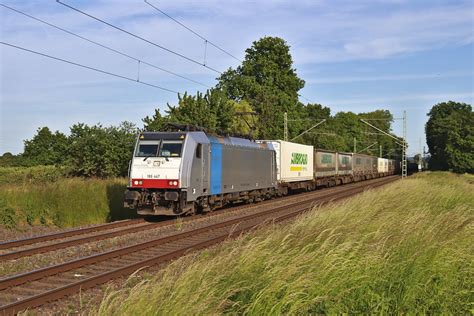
(174, 173)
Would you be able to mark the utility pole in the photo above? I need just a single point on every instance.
(355, 145)
(285, 130)
(404, 151)
(380, 151)
(420, 161)
(424, 161)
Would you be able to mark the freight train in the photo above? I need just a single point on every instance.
(177, 173)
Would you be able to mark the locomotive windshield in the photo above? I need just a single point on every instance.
(171, 149)
(159, 148)
(147, 149)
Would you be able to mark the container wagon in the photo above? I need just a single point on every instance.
(294, 164)
(325, 167)
(344, 168)
(365, 167)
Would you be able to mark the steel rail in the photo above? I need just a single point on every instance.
(77, 263)
(80, 241)
(92, 281)
(80, 231)
(74, 242)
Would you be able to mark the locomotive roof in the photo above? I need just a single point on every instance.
(236, 141)
(162, 135)
(201, 137)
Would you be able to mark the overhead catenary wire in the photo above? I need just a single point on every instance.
(139, 37)
(87, 67)
(308, 100)
(206, 41)
(119, 52)
(104, 46)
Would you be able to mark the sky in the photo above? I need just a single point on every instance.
(359, 56)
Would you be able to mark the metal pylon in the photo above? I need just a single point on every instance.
(404, 149)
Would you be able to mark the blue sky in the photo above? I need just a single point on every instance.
(354, 56)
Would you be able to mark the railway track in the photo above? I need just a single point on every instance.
(137, 226)
(34, 288)
(70, 233)
(39, 244)
(106, 231)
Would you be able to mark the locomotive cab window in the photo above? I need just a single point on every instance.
(198, 151)
(147, 149)
(171, 149)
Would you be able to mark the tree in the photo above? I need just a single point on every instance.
(383, 120)
(267, 81)
(319, 136)
(338, 132)
(212, 111)
(450, 137)
(155, 123)
(97, 151)
(46, 148)
(243, 122)
(10, 160)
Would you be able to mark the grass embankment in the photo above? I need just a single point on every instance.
(42, 195)
(405, 248)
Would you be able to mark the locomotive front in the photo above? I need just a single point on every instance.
(154, 174)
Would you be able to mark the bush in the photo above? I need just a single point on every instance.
(97, 151)
(64, 202)
(37, 174)
(8, 217)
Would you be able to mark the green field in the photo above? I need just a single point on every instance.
(44, 196)
(404, 248)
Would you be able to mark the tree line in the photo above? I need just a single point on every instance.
(450, 137)
(250, 100)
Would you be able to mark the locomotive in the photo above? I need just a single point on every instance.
(187, 172)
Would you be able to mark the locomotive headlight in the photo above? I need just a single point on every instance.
(140, 182)
(170, 182)
(175, 182)
(135, 182)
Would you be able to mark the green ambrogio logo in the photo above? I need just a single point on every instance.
(299, 159)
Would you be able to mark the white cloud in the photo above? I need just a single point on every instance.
(320, 31)
(352, 79)
(387, 101)
(359, 35)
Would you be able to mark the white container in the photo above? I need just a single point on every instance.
(294, 161)
(382, 165)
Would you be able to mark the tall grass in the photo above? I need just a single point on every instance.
(64, 202)
(36, 174)
(404, 248)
